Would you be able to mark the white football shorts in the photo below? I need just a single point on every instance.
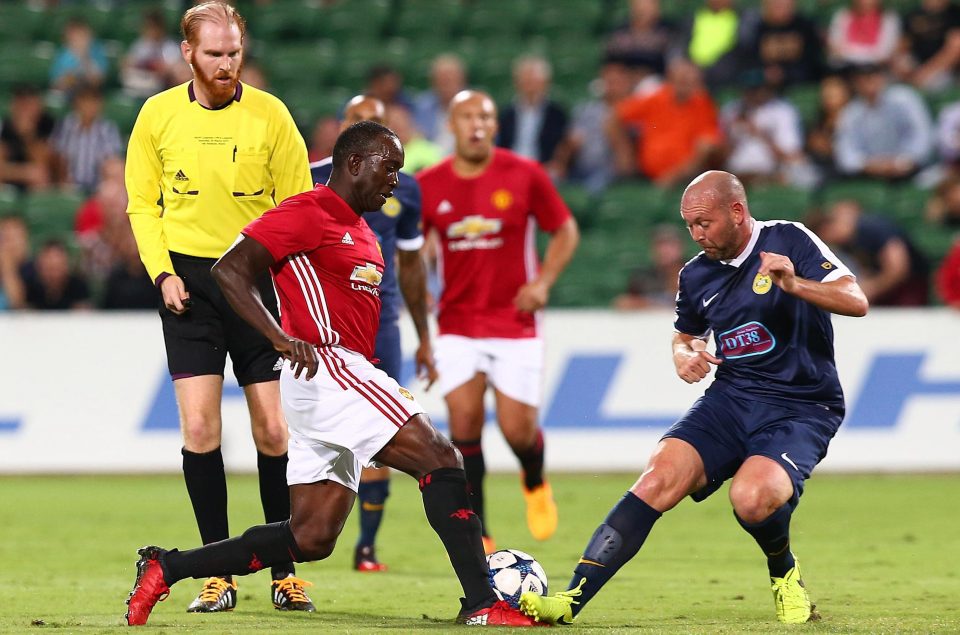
(512, 366)
(341, 418)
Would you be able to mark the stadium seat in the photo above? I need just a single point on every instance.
(283, 21)
(561, 20)
(634, 204)
(354, 21)
(418, 19)
(51, 214)
(909, 204)
(933, 240)
(806, 99)
(20, 63)
(122, 110)
(18, 22)
(874, 196)
(495, 18)
(301, 64)
(778, 202)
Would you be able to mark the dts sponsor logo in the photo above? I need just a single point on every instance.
(746, 340)
(366, 278)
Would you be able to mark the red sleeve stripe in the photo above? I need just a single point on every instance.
(313, 298)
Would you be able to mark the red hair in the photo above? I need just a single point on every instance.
(213, 11)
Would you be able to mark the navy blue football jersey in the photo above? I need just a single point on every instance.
(397, 226)
(774, 346)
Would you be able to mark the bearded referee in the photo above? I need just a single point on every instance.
(206, 158)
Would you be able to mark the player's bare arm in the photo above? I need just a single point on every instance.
(412, 276)
(534, 295)
(842, 296)
(236, 273)
(175, 294)
(691, 359)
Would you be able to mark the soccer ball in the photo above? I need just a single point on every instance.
(514, 572)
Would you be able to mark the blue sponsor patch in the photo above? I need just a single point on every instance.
(746, 340)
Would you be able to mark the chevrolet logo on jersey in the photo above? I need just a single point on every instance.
(368, 274)
(474, 227)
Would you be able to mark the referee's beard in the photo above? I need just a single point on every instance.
(218, 93)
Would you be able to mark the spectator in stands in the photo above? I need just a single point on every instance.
(764, 137)
(585, 155)
(948, 137)
(26, 159)
(943, 208)
(656, 286)
(930, 47)
(419, 152)
(84, 139)
(948, 277)
(53, 285)
(863, 33)
(325, 133)
(14, 262)
(891, 271)
(447, 78)
(128, 286)
(645, 41)
(533, 125)
(153, 62)
(714, 35)
(885, 132)
(385, 83)
(81, 60)
(786, 44)
(677, 128)
(834, 96)
(101, 225)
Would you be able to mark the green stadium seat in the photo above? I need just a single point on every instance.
(437, 19)
(19, 22)
(27, 64)
(9, 200)
(51, 214)
(354, 21)
(283, 21)
(495, 18)
(304, 64)
(633, 205)
(874, 196)
(778, 202)
(307, 106)
(806, 99)
(909, 205)
(934, 241)
(560, 20)
(122, 110)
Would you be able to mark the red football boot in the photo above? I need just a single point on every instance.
(500, 614)
(149, 587)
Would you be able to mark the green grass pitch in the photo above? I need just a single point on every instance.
(880, 555)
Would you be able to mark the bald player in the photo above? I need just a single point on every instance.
(765, 289)
(397, 227)
(485, 205)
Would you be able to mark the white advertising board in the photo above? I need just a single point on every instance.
(89, 392)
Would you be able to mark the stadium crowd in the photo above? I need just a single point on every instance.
(858, 99)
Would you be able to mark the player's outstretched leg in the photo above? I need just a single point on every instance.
(372, 495)
(475, 469)
(158, 569)
(764, 497)
(419, 450)
(614, 543)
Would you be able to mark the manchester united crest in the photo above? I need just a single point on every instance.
(761, 284)
(502, 199)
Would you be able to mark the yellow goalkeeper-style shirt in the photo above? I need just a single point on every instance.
(196, 176)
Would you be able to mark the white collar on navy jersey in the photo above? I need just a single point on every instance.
(754, 236)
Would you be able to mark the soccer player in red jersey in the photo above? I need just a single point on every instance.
(343, 413)
(484, 204)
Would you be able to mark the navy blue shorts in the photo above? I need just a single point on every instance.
(387, 349)
(726, 430)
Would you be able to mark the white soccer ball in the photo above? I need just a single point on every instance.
(513, 573)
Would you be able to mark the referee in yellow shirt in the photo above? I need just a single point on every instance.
(206, 158)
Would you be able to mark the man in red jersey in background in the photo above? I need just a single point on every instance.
(485, 204)
(343, 413)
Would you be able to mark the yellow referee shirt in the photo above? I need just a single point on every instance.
(195, 176)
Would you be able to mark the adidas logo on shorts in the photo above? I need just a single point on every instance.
(278, 365)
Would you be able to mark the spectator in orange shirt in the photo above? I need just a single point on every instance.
(677, 129)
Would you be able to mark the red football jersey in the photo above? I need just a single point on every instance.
(487, 227)
(327, 271)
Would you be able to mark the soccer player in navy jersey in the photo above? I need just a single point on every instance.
(397, 226)
(341, 411)
(765, 289)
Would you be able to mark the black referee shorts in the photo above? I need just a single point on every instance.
(198, 341)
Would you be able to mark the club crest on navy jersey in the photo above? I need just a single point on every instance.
(761, 284)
